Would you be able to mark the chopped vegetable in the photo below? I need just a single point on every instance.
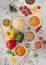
(10, 52)
(6, 22)
(36, 55)
(10, 33)
(19, 37)
(38, 28)
(12, 8)
(10, 44)
(29, 28)
(13, 60)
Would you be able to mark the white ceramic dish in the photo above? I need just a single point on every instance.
(34, 38)
(25, 52)
(39, 19)
(41, 47)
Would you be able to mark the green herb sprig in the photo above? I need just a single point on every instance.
(10, 52)
(29, 28)
(35, 55)
(12, 8)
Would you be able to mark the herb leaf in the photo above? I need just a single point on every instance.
(36, 55)
(28, 28)
(10, 52)
(12, 8)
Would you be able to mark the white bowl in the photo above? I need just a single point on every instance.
(39, 19)
(41, 47)
(25, 52)
(34, 38)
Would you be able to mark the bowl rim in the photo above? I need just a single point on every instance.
(41, 43)
(34, 38)
(39, 19)
(22, 46)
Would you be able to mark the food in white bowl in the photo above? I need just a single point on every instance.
(20, 51)
(35, 21)
(38, 45)
(19, 23)
(30, 36)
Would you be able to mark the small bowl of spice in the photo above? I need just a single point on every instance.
(35, 21)
(29, 1)
(20, 51)
(29, 36)
(38, 45)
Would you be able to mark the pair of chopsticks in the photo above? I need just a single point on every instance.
(2, 32)
(24, 59)
(14, 1)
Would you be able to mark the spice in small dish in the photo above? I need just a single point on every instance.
(30, 1)
(38, 45)
(6, 22)
(27, 45)
(34, 21)
(29, 36)
(20, 51)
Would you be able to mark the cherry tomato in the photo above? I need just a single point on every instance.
(26, 14)
(29, 12)
(20, 8)
(28, 9)
(25, 7)
(23, 11)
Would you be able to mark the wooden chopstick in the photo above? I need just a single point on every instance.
(2, 36)
(2, 33)
(25, 57)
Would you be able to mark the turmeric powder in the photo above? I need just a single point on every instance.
(20, 51)
(34, 21)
